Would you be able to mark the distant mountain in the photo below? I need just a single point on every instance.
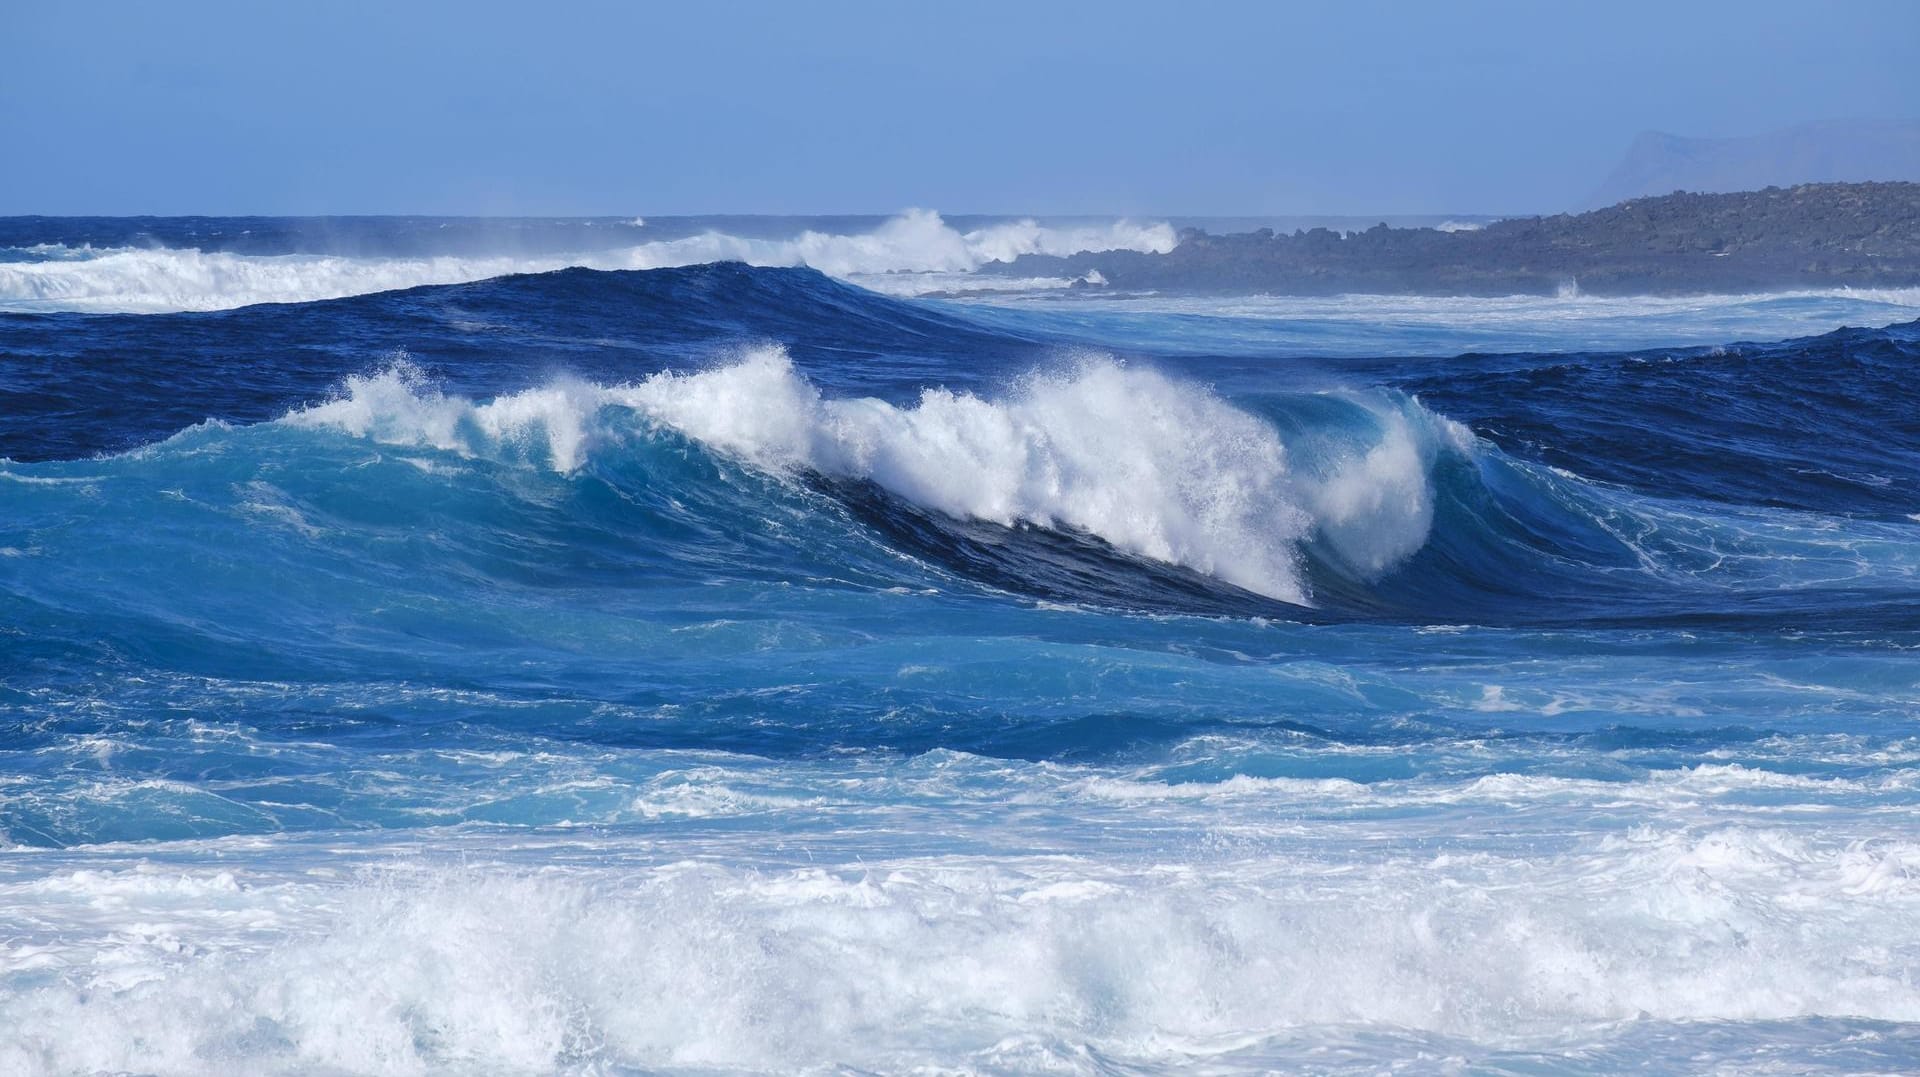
(1832, 151)
(1858, 235)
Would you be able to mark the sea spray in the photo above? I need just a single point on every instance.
(1152, 465)
(151, 279)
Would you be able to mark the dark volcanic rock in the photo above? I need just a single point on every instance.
(1862, 235)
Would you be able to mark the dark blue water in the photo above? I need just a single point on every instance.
(599, 671)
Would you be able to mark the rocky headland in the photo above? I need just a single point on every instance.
(1824, 235)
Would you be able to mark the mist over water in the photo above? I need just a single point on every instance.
(735, 668)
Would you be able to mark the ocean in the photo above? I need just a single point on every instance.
(610, 646)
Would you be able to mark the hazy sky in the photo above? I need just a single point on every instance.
(1194, 108)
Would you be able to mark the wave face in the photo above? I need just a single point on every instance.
(731, 668)
(1154, 468)
(218, 265)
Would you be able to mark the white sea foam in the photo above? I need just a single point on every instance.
(1373, 325)
(900, 252)
(1567, 311)
(864, 911)
(951, 961)
(1158, 468)
(156, 280)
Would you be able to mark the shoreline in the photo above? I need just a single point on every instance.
(1814, 236)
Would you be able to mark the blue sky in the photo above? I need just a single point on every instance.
(1197, 108)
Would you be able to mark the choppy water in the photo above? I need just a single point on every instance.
(715, 667)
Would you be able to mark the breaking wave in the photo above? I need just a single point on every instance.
(1155, 467)
(917, 245)
(1011, 964)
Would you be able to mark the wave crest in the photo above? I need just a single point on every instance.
(917, 242)
(1153, 466)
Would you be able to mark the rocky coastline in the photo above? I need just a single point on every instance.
(1829, 235)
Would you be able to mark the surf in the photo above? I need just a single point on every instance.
(1086, 480)
(917, 245)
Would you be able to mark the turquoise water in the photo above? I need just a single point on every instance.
(726, 668)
